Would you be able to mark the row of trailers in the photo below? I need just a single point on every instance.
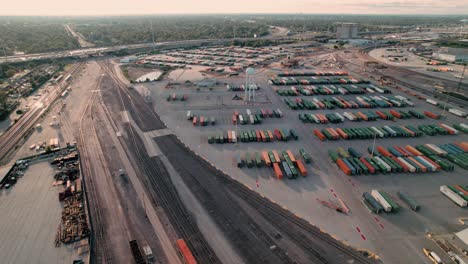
(408, 159)
(283, 163)
(380, 201)
(148, 256)
(338, 102)
(258, 135)
(384, 132)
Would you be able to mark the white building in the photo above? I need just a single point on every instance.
(346, 30)
(451, 54)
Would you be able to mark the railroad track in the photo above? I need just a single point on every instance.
(280, 217)
(276, 216)
(460, 102)
(163, 193)
(100, 252)
(19, 130)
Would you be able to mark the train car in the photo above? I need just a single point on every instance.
(185, 251)
(136, 252)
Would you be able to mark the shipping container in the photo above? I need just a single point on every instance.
(381, 200)
(301, 168)
(453, 196)
(185, 251)
(277, 170)
(409, 201)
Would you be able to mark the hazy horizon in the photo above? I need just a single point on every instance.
(201, 7)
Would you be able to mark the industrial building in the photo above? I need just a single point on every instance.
(346, 30)
(451, 54)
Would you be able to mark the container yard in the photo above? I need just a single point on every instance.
(355, 167)
(321, 112)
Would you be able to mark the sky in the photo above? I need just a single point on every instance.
(135, 7)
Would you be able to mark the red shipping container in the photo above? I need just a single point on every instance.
(368, 165)
(301, 167)
(343, 166)
(278, 172)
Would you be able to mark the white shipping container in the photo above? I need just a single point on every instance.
(432, 101)
(426, 164)
(453, 196)
(189, 114)
(241, 119)
(248, 112)
(457, 112)
(233, 135)
(340, 117)
(349, 116)
(385, 205)
(437, 150)
(279, 112)
(435, 257)
(148, 252)
(369, 90)
(464, 125)
(384, 164)
(378, 132)
(410, 167)
(428, 160)
(252, 120)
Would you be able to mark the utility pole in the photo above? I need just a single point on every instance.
(461, 77)
(373, 144)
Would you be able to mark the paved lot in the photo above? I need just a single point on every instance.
(418, 63)
(30, 215)
(383, 234)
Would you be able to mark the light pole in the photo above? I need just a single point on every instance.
(373, 144)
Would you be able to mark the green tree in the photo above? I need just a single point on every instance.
(9, 73)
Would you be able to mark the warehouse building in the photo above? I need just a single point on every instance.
(346, 30)
(451, 54)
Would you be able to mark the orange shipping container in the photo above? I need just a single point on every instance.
(291, 156)
(277, 157)
(301, 168)
(428, 160)
(270, 135)
(463, 145)
(458, 187)
(343, 166)
(186, 253)
(259, 136)
(278, 172)
(342, 133)
(423, 168)
(266, 158)
(383, 151)
(263, 136)
(413, 151)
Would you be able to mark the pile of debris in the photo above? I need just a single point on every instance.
(74, 225)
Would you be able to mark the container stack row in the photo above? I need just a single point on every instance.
(358, 116)
(258, 135)
(396, 159)
(383, 132)
(331, 89)
(339, 102)
(253, 118)
(283, 163)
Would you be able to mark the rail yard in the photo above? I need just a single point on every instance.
(276, 154)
